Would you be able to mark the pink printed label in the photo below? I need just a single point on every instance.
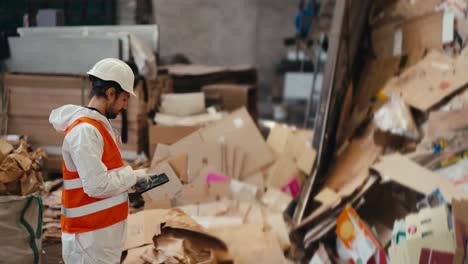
(213, 178)
(293, 187)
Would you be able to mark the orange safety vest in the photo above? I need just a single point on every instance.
(81, 213)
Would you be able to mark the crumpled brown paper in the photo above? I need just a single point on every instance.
(10, 170)
(20, 170)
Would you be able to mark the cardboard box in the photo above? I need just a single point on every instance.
(233, 96)
(168, 135)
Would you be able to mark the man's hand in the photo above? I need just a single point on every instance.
(151, 181)
(141, 176)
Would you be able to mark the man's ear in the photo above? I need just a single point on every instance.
(110, 93)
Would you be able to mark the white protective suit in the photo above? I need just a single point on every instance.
(82, 151)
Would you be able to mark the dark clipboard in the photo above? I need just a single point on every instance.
(152, 182)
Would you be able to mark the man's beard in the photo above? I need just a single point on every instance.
(110, 114)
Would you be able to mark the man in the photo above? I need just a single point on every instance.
(94, 197)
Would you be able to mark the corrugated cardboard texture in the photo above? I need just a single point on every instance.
(351, 168)
(431, 80)
(168, 135)
(239, 129)
(168, 190)
(423, 33)
(33, 97)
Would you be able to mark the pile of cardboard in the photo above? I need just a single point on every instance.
(33, 97)
(432, 235)
(232, 147)
(232, 182)
(401, 135)
(20, 168)
(51, 216)
(294, 158)
(186, 109)
(191, 78)
(233, 221)
(171, 236)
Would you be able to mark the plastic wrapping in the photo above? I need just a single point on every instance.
(395, 117)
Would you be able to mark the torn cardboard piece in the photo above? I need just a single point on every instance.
(351, 167)
(161, 151)
(278, 138)
(153, 226)
(179, 164)
(239, 129)
(134, 255)
(263, 246)
(293, 145)
(202, 193)
(430, 81)
(282, 172)
(403, 171)
(168, 135)
(167, 191)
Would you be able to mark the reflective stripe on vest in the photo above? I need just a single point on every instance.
(95, 207)
(82, 213)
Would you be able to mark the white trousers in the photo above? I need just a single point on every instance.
(95, 247)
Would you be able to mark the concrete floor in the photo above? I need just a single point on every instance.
(51, 252)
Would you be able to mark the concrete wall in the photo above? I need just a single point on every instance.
(227, 32)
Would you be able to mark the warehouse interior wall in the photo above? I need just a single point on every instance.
(223, 32)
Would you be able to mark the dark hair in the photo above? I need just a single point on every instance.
(99, 87)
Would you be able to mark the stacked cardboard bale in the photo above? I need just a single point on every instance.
(33, 97)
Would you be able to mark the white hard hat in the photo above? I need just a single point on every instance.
(114, 70)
